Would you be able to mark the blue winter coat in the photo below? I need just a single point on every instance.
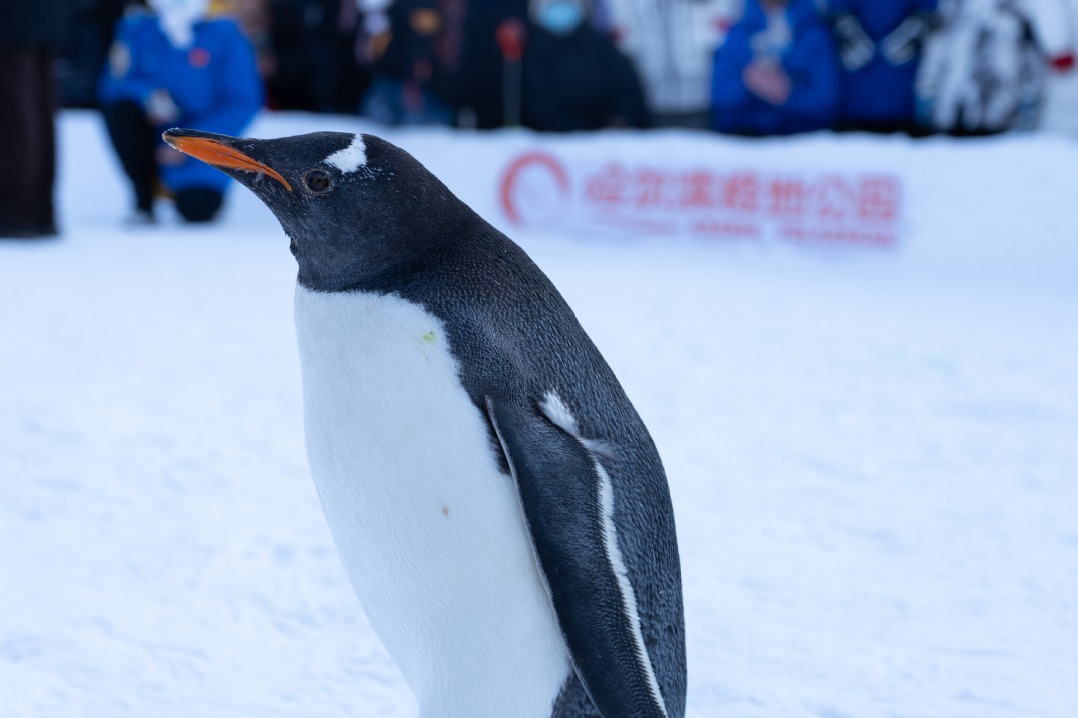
(880, 91)
(215, 83)
(809, 60)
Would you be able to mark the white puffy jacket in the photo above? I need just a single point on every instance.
(980, 71)
(1056, 26)
(673, 43)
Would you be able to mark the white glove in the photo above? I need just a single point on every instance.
(855, 47)
(160, 108)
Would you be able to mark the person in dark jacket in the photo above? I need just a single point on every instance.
(85, 50)
(480, 81)
(574, 77)
(310, 55)
(30, 34)
(777, 73)
(879, 44)
(176, 67)
(410, 78)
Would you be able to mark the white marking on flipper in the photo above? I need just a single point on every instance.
(555, 409)
(625, 586)
(558, 413)
(351, 158)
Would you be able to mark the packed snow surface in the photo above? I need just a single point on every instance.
(873, 454)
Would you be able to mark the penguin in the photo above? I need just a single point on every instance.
(498, 505)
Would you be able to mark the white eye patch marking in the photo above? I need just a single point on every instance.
(351, 158)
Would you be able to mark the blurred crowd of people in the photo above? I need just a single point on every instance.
(750, 67)
(747, 66)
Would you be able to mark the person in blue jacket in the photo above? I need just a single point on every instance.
(879, 43)
(176, 66)
(777, 72)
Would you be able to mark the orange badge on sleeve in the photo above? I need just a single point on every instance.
(198, 57)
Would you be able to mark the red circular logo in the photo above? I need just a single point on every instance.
(534, 189)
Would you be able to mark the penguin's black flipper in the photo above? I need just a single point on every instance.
(568, 505)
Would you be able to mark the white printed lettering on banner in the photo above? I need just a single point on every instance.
(540, 190)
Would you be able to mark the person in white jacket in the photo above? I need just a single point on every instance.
(997, 65)
(673, 43)
(982, 72)
(1055, 23)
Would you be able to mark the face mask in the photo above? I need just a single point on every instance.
(177, 18)
(560, 17)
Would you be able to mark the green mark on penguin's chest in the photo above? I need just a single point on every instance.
(428, 340)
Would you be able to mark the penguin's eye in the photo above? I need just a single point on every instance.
(317, 181)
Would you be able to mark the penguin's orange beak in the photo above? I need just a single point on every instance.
(218, 154)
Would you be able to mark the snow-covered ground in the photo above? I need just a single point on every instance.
(873, 454)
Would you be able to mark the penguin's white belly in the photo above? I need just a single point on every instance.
(430, 532)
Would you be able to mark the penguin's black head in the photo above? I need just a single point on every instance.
(355, 207)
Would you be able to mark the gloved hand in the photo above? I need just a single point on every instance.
(855, 47)
(768, 81)
(904, 42)
(160, 108)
